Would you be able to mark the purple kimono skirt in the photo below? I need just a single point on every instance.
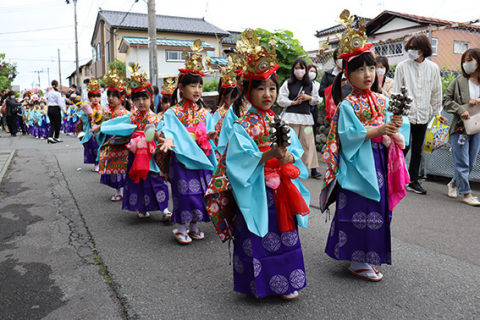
(114, 180)
(360, 229)
(188, 189)
(150, 194)
(272, 265)
(90, 151)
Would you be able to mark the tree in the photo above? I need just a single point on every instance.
(288, 50)
(8, 72)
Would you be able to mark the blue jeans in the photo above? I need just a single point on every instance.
(464, 157)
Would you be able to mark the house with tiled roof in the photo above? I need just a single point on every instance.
(389, 31)
(124, 36)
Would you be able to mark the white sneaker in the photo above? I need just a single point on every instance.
(452, 190)
(473, 201)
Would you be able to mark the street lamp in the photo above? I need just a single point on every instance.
(76, 44)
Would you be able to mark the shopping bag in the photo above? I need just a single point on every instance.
(436, 135)
(472, 125)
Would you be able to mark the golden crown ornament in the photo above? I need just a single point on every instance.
(93, 85)
(113, 80)
(169, 85)
(258, 62)
(137, 80)
(194, 60)
(353, 40)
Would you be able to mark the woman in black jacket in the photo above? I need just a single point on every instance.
(12, 107)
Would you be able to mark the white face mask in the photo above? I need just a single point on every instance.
(470, 67)
(312, 75)
(299, 73)
(413, 54)
(339, 63)
(381, 70)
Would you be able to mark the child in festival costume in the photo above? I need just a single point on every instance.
(145, 189)
(43, 121)
(189, 126)
(365, 177)
(91, 114)
(113, 155)
(168, 87)
(255, 196)
(228, 93)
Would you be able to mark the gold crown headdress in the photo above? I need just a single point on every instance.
(353, 40)
(169, 85)
(137, 81)
(93, 85)
(258, 62)
(229, 78)
(193, 60)
(113, 80)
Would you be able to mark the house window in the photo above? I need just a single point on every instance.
(389, 49)
(174, 56)
(94, 54)
(107, 51)
(99, 52)
(459, 47)
(434, 46)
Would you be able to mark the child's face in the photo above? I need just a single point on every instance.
(94, 100)
(142, 103)
(192, 92)
(113, 100)
(264, 96)
(166, 105)
(228, 99)
(363, 77)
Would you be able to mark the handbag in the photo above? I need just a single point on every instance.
(4, 109)
(472, 125)
(436, 135)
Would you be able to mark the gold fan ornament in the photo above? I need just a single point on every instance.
(194, 60)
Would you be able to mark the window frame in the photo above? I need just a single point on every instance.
(179, 53)
(460, 42)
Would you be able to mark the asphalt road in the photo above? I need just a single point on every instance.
(68, 252)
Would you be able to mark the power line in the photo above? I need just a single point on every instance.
(25, 31)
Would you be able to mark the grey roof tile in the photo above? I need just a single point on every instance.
(134, 20)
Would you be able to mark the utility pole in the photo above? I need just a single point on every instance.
(77, 73)
(152, 42)
(48, 71)
(59, 71)
(38, 74)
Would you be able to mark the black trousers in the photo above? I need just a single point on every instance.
(417, 138)
(22, 124)
(314, 112)
(12, 124)
(55, 121)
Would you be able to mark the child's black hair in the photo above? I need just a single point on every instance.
(91, 95)
(353, 65)
(223, 92)
(249, 85)
(166, 98)
(185, 80)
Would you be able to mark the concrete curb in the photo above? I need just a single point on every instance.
(5, 159)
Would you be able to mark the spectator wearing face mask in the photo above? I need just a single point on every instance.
(385, 84)
(422, 79)
(297, 95)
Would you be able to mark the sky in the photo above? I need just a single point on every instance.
(33, 31)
